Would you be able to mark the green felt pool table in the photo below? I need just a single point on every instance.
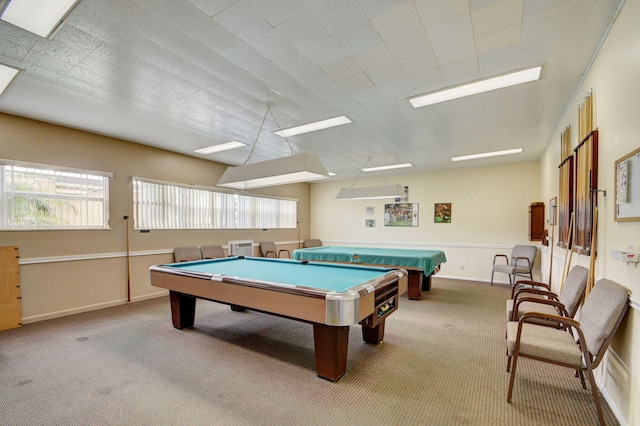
(332, 297)
(420, 264)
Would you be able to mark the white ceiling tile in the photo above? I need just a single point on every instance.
(416, 63)
(356, 83)
(425, 78)
(411, 44)
(385, 73)
(245, 57)
(376, 7)
(454, 30)
(399, 21)
(356, 37)
(463, 68)
(342, 68)
(302, 30)
(455, 52)
(496, 16)
(509, 36)
(276, 12)
(435, 11)
(242, 20)
(212, 7)
(324, 52)
(271, 44)
(372, 57)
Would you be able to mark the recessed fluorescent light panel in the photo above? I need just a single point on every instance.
(40, 17)
(221, 147)
(477, 87)
(7, 74)
(487, 154)
(389, 167)
(312, 127)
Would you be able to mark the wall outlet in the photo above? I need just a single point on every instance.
(462, 267)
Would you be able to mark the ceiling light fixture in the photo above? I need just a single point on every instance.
(487, 154)
(37, 16)
(312, 127)
(481, 86)
(280, 171)
(389, 167)
(370, 192)
(221, 147)
(7, 75)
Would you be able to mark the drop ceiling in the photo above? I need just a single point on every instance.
(182, 75)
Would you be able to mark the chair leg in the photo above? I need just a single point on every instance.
(508, 363)
(513, 374)
(596, 396)
(491, 277)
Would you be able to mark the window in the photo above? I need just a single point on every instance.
(44, 197)
(163, 205)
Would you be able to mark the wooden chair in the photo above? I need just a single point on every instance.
(312, 243)
(600, 317)
(212, 251)
(521, 263)
(528, 296)
(268, 249)
(186, 254)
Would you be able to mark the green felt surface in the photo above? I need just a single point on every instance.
(425, 260)
(321, 276)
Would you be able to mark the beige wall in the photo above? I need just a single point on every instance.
(614, 80)
(490, 208)
(65, 272)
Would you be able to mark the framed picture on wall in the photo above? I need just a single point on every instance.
(442, 213)
(370, 223)
(370, 210)
(401, 214)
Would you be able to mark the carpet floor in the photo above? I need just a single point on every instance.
(442, 363)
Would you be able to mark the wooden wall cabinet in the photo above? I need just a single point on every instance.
(536, 221)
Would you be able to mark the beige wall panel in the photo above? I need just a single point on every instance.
(58, 287)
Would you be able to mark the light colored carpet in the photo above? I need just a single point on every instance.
(442, 363)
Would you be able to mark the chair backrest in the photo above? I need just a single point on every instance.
(267, 247)
(212, 252)
(601, 315)
(186, 254)
(312, 243)
(529, 252)
(572, 290)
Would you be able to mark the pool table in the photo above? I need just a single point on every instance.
(331, 297)
(420, 264)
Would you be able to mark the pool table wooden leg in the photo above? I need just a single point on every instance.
(414, 291)
(373, 334)
(183, 309)
(331, 344)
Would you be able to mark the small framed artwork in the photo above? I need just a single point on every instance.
(401, 214)
(370, 223)
(370, 210)
(442, 213)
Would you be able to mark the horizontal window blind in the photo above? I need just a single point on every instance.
(163, 205)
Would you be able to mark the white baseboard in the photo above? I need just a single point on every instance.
(88, 308)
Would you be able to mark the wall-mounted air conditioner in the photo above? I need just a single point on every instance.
(241, 248)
